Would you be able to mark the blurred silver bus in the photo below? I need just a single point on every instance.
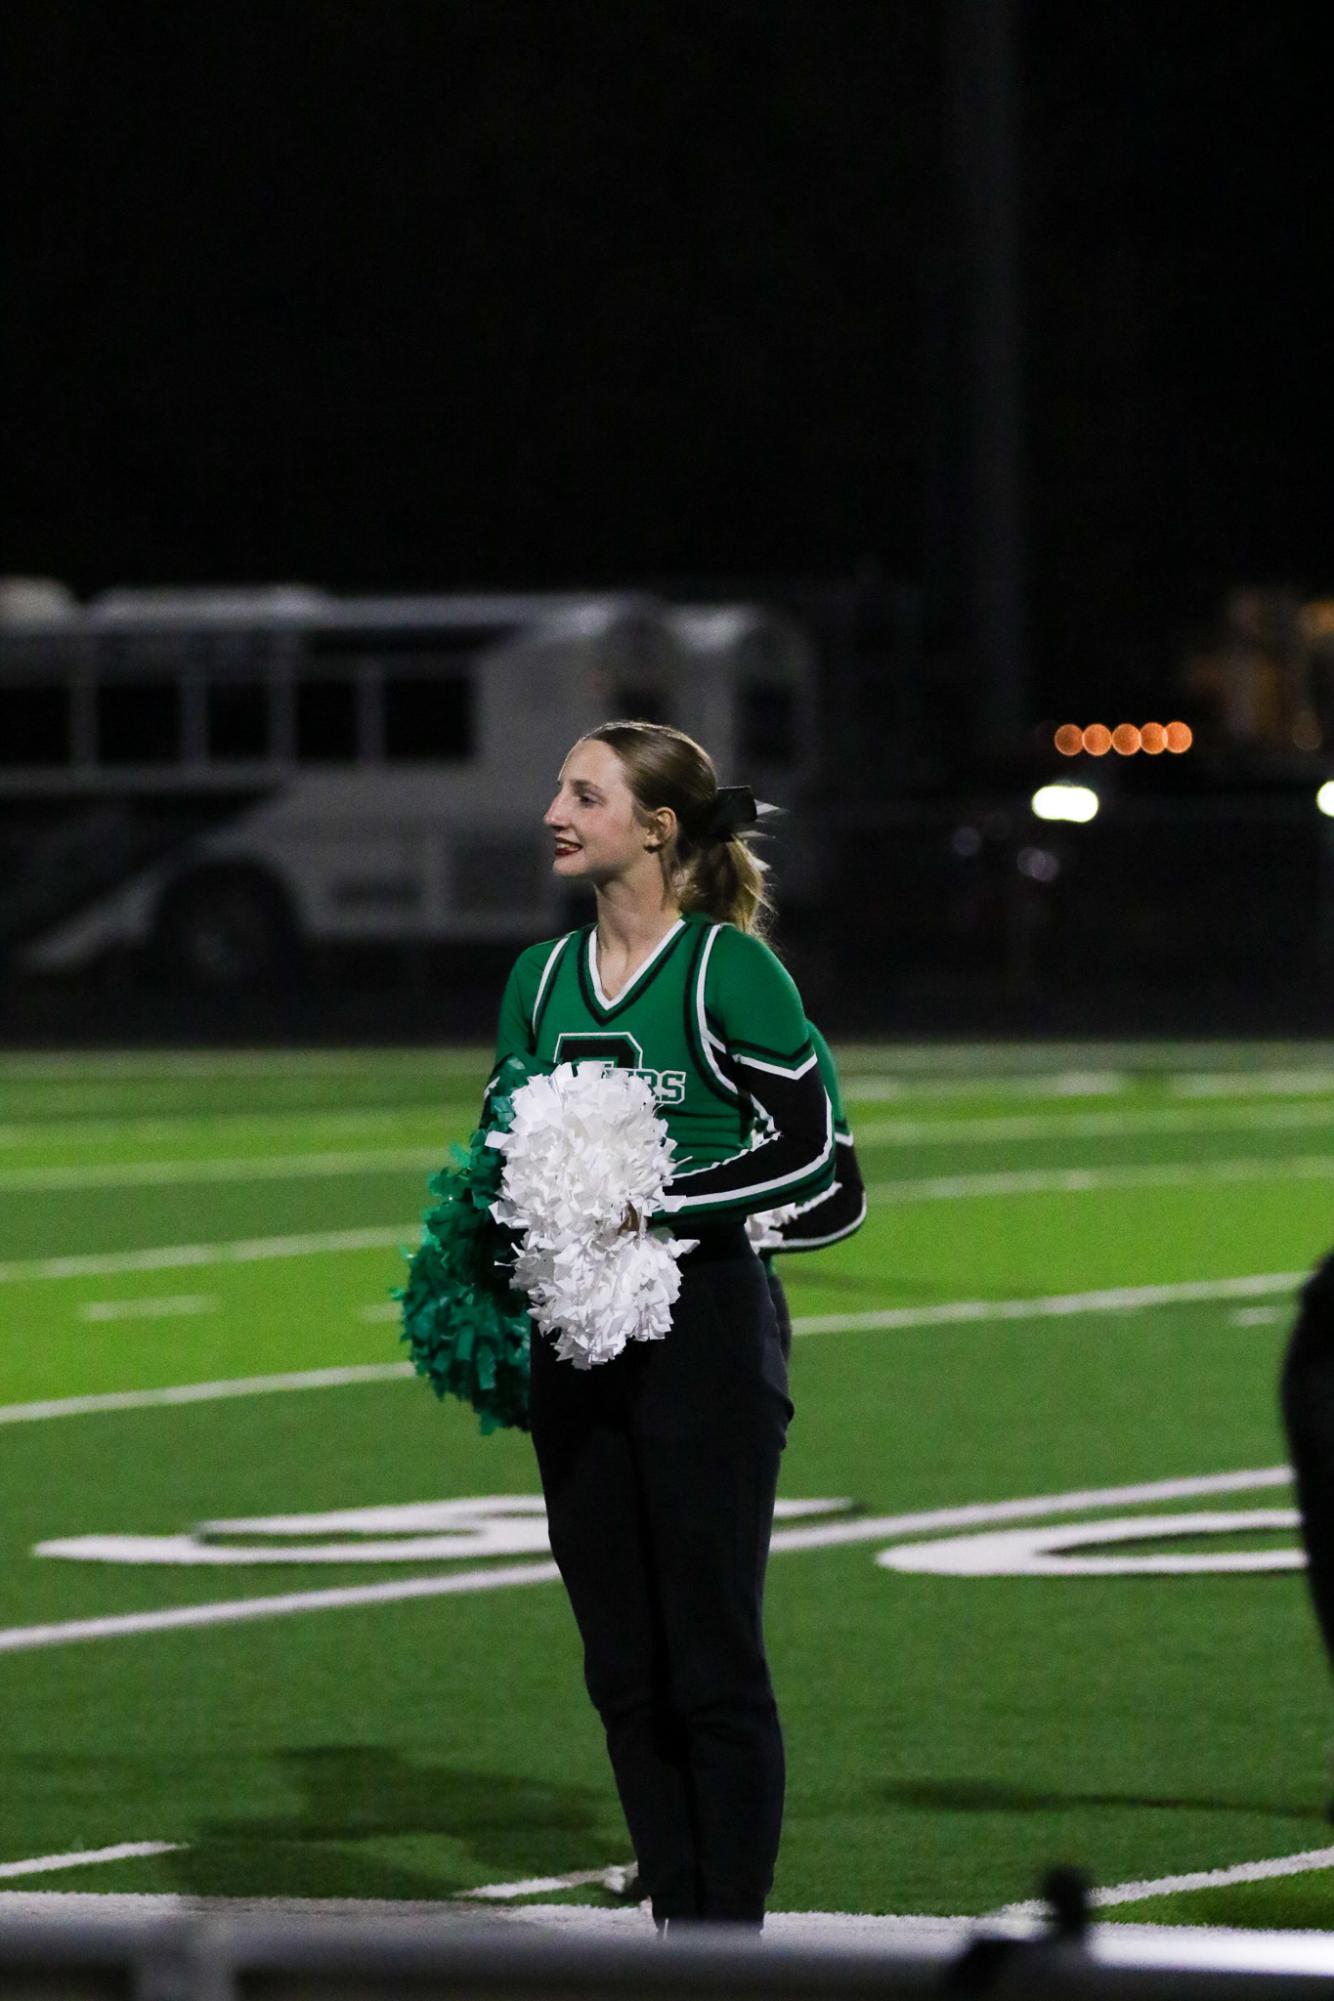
(221, 776)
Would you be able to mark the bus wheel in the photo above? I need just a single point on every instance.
(226, 928)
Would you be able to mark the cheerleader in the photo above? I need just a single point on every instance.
(660, 1468)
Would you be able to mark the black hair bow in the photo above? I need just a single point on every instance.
(735, 811)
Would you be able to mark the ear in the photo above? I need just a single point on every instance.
(660, 829)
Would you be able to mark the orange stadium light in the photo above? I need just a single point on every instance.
(1126, 739)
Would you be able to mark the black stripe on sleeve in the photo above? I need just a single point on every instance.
(794, 1162)
(838, 1213)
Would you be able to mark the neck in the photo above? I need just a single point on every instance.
(632, 917)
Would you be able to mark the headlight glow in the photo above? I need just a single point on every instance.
(1065, 802)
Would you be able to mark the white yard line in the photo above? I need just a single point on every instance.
(234, 1251)
(1004, 1127)
(873, 1528)
(111, 1065)
(957, 1312)
(983, 1058)
(214, 1392)
(167, 1128)
(272, 1167)
(1301, 1864)
(886, 1085)
(919, 1188)
(929, 1188)
(82, 1858)
(1001, 1127)
(532, 1886)
(1058, 1305)
(165, 1308)
(1253, 1083)
(1092, 1180)
(240, 1611)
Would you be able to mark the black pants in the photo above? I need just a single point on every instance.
(782, 1311)
(659, 1471)
(1307, 1392)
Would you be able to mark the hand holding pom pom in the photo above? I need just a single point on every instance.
(587, 1161)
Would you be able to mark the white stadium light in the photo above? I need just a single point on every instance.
(1324, 798)
(1065, 802)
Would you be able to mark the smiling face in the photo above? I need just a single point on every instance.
(598, 832)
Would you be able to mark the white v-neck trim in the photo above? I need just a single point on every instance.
(639, 971)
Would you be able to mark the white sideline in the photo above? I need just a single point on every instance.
(870, 1528)
(1086, 1180)
(1005, 1126)
(240, 1167)
(1301, 1864)
(82, 1858)
(958, 1312)
(1172, 1948)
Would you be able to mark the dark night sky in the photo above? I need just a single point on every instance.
(447, 292)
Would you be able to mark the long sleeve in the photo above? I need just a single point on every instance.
(761, 1046)
(841, 1210)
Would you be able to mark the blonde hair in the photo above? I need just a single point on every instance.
(721, 876)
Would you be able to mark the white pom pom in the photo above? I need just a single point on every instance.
(764, 1226)
(585, 1147)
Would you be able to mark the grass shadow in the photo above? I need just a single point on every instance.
(348, 1798)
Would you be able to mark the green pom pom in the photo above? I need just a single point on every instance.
(465, 1325)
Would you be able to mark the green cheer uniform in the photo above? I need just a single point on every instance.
(714, 1022)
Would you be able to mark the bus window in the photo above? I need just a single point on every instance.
(138, 722)
(429, 718)
(326, 722)
(236, 720)
(34, 726)
(768, 722)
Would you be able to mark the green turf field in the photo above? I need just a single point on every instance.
(1076, 1279)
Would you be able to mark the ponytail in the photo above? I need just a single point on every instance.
(725, 879)
(710, 869)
